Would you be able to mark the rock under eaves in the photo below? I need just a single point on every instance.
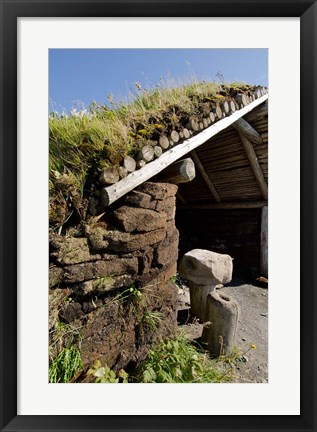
(205, 267)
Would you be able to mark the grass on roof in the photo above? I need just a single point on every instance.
(83, 143)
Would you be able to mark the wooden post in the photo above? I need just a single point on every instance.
(264, 243)
(182, 171)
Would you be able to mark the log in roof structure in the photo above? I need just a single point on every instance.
(230, 156)
(222, 134)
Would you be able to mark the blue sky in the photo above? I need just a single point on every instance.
(87, 75)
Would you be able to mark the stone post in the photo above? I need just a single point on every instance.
(221, 317)
(198, 298)
(205, 270)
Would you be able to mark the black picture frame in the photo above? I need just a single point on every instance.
(10, 11)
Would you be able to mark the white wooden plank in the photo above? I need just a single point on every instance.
(112, 193)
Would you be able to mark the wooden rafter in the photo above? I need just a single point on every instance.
(181, 198)
(182, 171)
(244, 128)
(112, 193)
(257, 171)
(225, 205)
(205, 176)
(259, 112)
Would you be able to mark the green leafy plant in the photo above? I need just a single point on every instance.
(179, 361)
(130, 293)
(237, 355)
(152, 319)
(65, 366)
(176, 280)
(104, 281)
(135, 292)
(62, 335)
(103, 374)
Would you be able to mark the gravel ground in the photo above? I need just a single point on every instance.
(252, 329)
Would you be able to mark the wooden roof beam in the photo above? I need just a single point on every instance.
(259, 112)
(205, 176)
(181, 198)
(111, 193)
(249, 150)
(224, 205)
(248, 131)
(182, 171)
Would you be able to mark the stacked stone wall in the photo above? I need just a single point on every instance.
(93, 267)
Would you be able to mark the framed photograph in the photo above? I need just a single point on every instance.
(29, 30)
